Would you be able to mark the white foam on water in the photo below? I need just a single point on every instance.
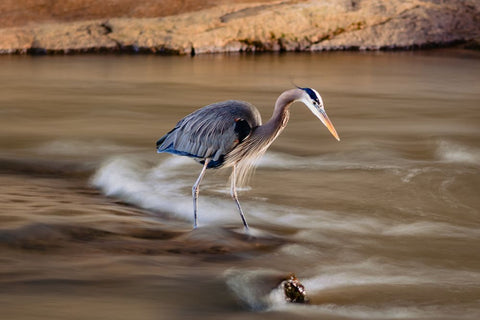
(159, 188)
(431, 229)
(456, 153)
(250, 286)
(165, 187)
(255, 288)
(409, 174)
(375, 272)
(368, 160)
(318, 221)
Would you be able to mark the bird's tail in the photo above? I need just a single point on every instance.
(160, 141)
(161, 146)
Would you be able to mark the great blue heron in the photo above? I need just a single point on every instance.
(231, 134)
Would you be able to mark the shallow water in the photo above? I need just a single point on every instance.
(382, 225)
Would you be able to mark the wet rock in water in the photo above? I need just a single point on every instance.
(261, 289)
(294, 291)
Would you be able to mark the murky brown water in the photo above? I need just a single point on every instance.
(384, 224)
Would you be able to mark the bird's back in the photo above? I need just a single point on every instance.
(212, 131)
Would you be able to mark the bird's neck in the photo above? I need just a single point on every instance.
(281, 113)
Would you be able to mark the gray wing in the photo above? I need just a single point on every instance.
(212, 131)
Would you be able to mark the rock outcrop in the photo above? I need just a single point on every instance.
(260, 26)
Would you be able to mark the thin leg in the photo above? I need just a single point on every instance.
(233, 192)
(195, 191)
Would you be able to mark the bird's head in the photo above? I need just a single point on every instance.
(312, 99)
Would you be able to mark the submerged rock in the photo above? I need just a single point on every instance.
(294, 291)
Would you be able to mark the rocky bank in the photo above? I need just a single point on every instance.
(247, 26)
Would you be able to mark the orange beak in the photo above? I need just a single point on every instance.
(326, 121)
(319, 111)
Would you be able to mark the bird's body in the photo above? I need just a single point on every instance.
(197, 135)
(231, 134)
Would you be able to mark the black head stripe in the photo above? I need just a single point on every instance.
(312, 94)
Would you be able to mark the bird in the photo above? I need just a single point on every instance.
(231, 134)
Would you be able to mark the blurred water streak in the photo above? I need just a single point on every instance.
(384, 224)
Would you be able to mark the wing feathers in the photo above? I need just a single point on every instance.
(212, 131)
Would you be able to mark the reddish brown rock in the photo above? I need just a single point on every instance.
(212, 26)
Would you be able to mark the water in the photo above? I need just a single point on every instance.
(382, 225)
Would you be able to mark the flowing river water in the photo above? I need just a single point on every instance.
(384, 224)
